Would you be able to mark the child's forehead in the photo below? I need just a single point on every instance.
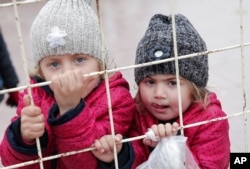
(162, 76)
(63, 56)
(166, 78)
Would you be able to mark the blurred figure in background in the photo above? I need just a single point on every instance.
(8, 76)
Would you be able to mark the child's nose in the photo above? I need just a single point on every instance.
(160, 92)
(67, 67)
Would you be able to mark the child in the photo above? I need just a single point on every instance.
(72, 111)
(8, 76)
(157, 100)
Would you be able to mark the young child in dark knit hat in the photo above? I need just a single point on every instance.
(157, 100)
(71, 112)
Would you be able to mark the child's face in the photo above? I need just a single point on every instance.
(55, 65)
(159, 95)
(58, 65)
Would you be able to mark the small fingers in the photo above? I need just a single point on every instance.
(162, 130)
(118, 138)
(168, 129)
(32, 111)
(98, 146)
(165, 130)
(175, 128)
(106, 143)
(113, 142)
(26, 100)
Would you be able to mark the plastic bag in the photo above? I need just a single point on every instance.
(190, 161)
(170, 153)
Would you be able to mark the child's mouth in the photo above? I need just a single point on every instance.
(158, 106)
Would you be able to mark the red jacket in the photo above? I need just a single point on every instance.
(75, 130)
(209, 143)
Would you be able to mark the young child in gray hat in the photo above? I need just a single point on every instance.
(157, 100)
(71, 112)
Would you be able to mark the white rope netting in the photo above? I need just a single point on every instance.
(242, 46)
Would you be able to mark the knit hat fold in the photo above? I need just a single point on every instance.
(65, 27)
(157, 44)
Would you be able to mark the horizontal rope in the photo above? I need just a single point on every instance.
(123, 141)
(129, 67)
(19, 3)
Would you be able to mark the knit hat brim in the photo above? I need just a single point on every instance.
(157, 44)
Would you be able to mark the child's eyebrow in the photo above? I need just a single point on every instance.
(50, 59)
(172, 78)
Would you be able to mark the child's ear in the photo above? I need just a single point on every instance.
(101, 68)
(40, 73)
(37, 72)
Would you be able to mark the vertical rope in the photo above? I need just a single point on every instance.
(107, 84)
(177, 66)
(243, 77)
(25, 66)
(244, 113)
(19, 3)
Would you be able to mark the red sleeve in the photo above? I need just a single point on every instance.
(211, 145)
(81, 131)
(11, 156)
(92, 123)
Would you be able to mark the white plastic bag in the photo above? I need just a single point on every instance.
(190, 161)
(170, 153)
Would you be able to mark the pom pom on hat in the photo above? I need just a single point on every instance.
(157, 44)
(65, 27)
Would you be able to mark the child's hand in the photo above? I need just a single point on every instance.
(105, 147)
(69, 88)
(32, 121)
(161, 131)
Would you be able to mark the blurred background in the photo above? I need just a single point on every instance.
(124, 22)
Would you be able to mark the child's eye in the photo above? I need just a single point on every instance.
(54, 64)
(79, 60)
(172, 83)
(149, 81)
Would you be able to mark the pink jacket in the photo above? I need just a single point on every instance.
(75, 130)
(209, 143)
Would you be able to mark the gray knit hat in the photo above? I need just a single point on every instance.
(157, 44)
(65, 27)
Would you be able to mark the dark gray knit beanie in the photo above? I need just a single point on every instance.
(157, 44)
